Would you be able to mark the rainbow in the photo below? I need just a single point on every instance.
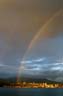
(40, 32)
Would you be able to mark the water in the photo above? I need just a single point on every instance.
(30, 92)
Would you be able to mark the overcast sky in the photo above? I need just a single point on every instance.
(20, 20)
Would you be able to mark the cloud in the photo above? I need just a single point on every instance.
(33, 61)
(2, 65)
(8, 70)
(19, 22)
(52, 69)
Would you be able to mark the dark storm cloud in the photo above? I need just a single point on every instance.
(51, 51)
(49, 47)
(50, 70)
(8, 70)
(19, 22)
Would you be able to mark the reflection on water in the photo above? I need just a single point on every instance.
(30, 92)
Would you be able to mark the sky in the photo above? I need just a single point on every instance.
(20, 20)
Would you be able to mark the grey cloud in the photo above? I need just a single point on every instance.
(8, 70)
(50, 70)
(19, 22)
(49, 47)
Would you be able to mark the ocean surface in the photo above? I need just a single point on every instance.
(30, 92)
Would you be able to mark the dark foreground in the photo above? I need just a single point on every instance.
(30, 92)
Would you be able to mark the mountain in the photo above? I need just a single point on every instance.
(38, 80)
